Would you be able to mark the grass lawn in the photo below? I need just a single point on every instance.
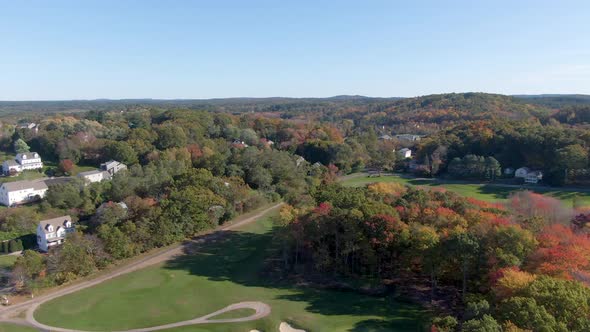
(25, 175)
(485, 192)
(77, 169)
(6, 261)
(210, 278)
(6, 327)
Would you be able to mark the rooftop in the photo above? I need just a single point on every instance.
(25, 184)
(27, 155)
(55, 222)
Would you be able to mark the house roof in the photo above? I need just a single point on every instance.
(25, 184)
(55, 222)
(27, 155)
(96, 171)
(404, 150)
(11, 163)
(110, 164)
(524, 169)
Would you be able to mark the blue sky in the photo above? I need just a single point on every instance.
(205, 49)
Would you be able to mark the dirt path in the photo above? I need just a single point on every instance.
(262, 310)
(7, 313)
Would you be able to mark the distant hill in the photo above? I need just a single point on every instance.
(234, 105)
(439, 108)
(450, 107)
(556, 100)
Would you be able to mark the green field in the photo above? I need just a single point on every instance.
(6, 261)
(219, 274)
(485, 192)
(6, 327)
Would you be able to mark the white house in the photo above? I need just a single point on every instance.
(94, 176)
(385, 137)
(28, 125)
(23, 161)
(408, 137)
(10, 166)
(533, 177)
(521, 172)
(112, 167)
(405, 153)
(52, 232)
(29, 160)
(18, 192)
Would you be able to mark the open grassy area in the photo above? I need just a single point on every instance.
(6, 327)
(78, 169)
(6, 261)
(485, 192)
(25, 175)
(210, 278)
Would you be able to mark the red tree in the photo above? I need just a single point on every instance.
(66, 166)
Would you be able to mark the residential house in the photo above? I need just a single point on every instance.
(52, 232)
(29, 126)
(29, 160)
(408, 137)
(521, 172)
(385, 137)
(94, 176)
(23, 161)
(508, 171)
(239, 144)
(105, 205)
(19, 192)
(10, 167)
(300, 160)
(405, 153)
(112, 167)
(533, 177)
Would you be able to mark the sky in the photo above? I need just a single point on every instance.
(57, 50)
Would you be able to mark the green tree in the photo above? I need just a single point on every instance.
(526, 313)
(21, 146)
(485, 324)
(463, 248)
(170, 136)
(121, 151)
(31, 262)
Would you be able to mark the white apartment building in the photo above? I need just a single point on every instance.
(19, 192)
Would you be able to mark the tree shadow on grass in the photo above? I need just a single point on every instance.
(240, 257)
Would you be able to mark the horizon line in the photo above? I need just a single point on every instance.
(286, 97)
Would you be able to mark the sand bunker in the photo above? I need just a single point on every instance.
(285, 327)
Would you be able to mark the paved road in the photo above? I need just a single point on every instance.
(7, 313)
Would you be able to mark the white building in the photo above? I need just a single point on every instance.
(385, 137)
(29, 160)
(18, 192)
(28, 125)
(94, 176)
(10, 166)
(52, 232)
(22, 162)
(408, 137)
(112, 167)
(405, 153)
(533, 177)
(521, 172)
